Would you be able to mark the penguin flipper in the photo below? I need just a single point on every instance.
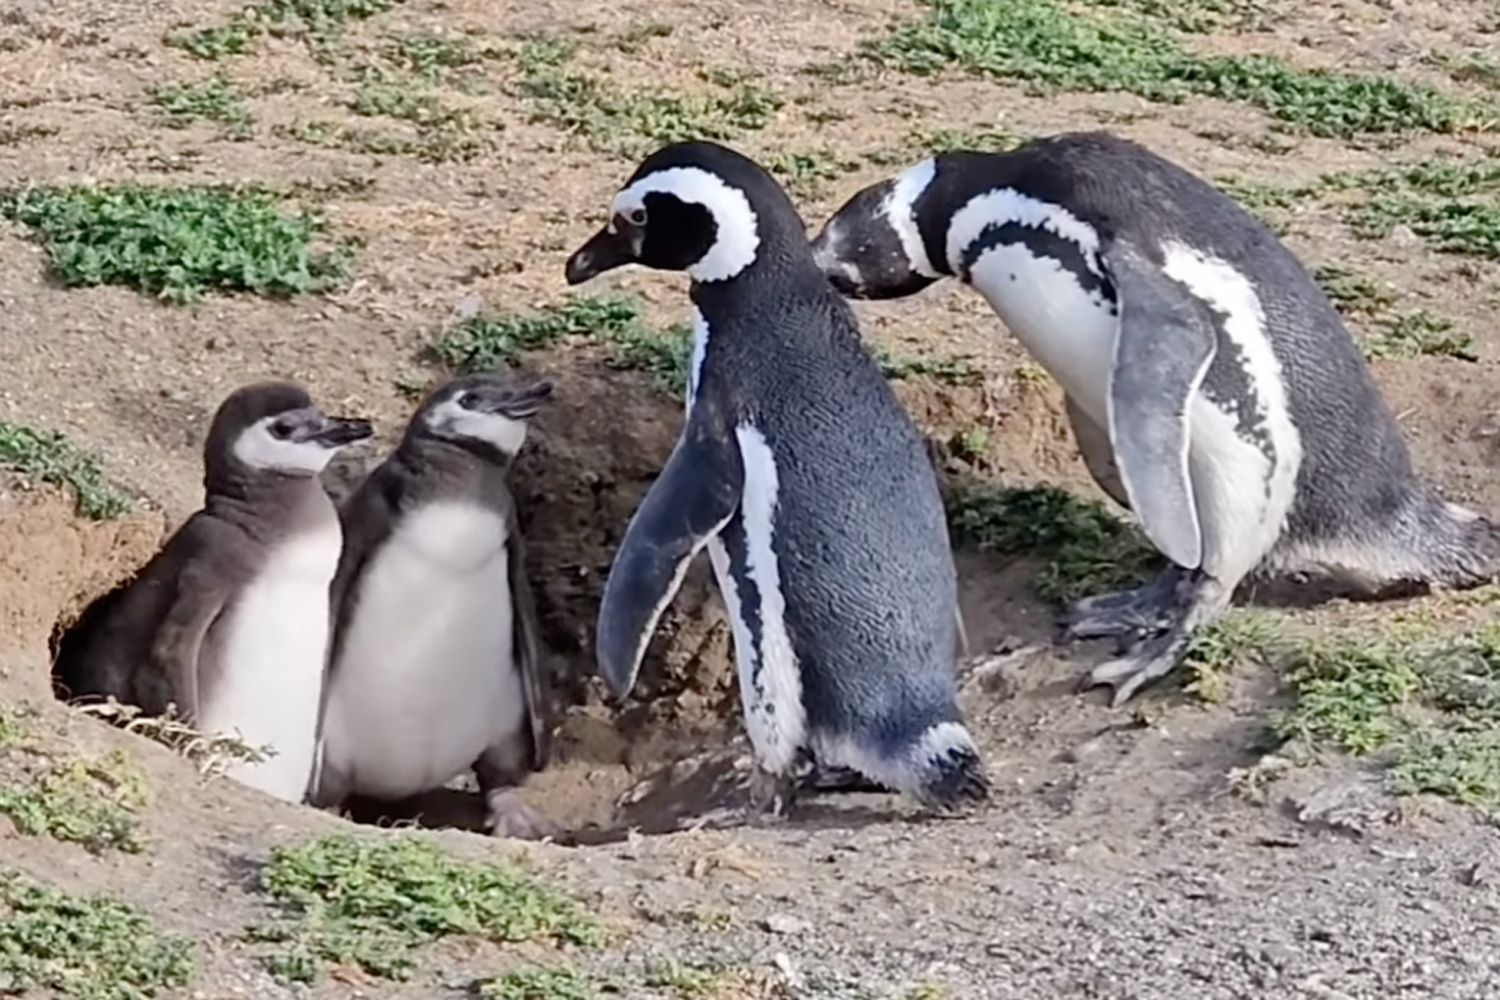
(178, 643)
(1162, 353)
(696, 494)
(527, 651)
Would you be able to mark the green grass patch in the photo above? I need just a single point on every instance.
(317, 21)
(1200, 16)
(49, 457)
(632, 122)
(178, 243)
(950, 371)
(691, 981)
(538, 984)
(84, 947)
(1454, 205)
(91, 802)
(489, 341)
(1394, 332)
(442, 133)
(1420, 333)
(215, 99)
(372, 903)
(1220, 646)
(432, 56)
(1052, 48)
(1084, 549)
(1474, 67)
(1424, 700)
(807, 173)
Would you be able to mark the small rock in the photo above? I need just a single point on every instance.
(785, 923)
(1476, 875)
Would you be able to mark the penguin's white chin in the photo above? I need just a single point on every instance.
(257, 448)
(505, 434)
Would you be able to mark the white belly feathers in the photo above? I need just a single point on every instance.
(271, 673)
(430, 638)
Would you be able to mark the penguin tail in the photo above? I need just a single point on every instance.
(939, 767)
(1455, 547)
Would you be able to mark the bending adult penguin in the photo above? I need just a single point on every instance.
(229, 622)
(801, 474)
(1211, 386)
(435, 666)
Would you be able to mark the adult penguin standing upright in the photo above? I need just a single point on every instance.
(808, 484)
(1211, 385)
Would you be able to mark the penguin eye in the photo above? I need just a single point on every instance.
(281, 430)
(637, 216)
(468, 401)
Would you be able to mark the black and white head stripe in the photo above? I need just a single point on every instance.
(737, 236)
(901, 213)
(1006, 216)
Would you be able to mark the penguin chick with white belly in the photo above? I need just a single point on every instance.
(1211, 385)
(808, 484)
(435, 664)
(230, 621)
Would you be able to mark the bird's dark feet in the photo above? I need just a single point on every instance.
(1144, 611)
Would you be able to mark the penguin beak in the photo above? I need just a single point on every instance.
(605, 251)
(339, 431)
(520, 404)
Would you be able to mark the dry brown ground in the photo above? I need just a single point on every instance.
(1114, 863)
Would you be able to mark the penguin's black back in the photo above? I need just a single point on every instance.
(1355, 465)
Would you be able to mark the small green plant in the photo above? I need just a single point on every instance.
(85, 947)
(688, 981)
(1053, 48)
(49, 457)
(664, 355)
(807, 174)
(178, 243)
(1085, 549)
(93, 802)
(1424, 697)
(1473, 67)
(1347, 694)
(1396, 333)
(1219, 646)
(631, 122)
(317, 21)
(215, 99)
(488, 341)
(981, 138)
(970, 444)
(1352, 292)
(951, 371)
(1419, 333)
(1200, 16)
(374, 902)
(928, 991)
(538, 984)
(431, 56)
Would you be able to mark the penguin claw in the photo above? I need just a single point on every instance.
(1127, 675)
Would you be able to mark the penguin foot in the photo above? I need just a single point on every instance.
(1151, 661)
(1142, 611)
(510, 817)
(824, 778)
(771, 797)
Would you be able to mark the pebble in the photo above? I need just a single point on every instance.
(785, 923)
